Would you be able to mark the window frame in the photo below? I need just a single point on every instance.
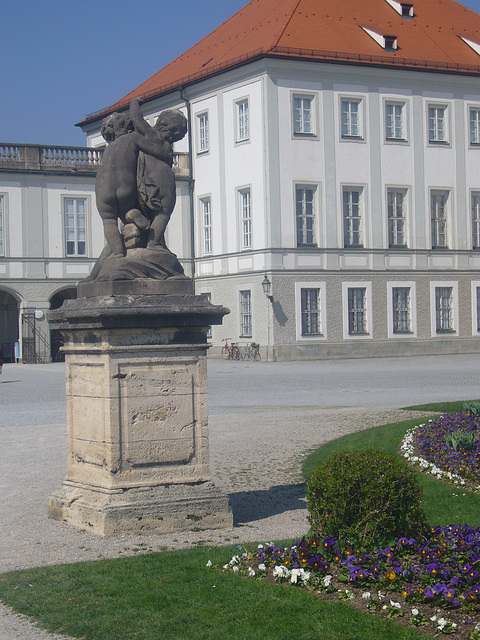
(347, 221)
(245, 316)
(203, 132)
(85, 213)
(401, 284)
(474, 144)
(300, 132)
(475, 218)
(475, 288)
(435, 221)
(445, 284)
(395, 139)
(245, 221)
(206, 229)
(239, 136)
(436, 140)
(322, 311)
(305, 217)
(368, 312)
(3, 224)
(348, 136)
(393, 232)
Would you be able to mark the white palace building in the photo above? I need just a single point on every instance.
(334, 153)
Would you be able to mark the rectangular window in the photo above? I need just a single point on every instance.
(245, 314)
(305, 215)
(438, 216)
(245, 218)
(351, 118)
(437, 124)
(396, 213)
(474, 126)
(478, 308)
(444, 309)
(206, 214)
(395, 121)
(302, 115)
(357, 311)
(243, 126)
(203, 133)
(311, 318)
(352, 217)
(402, 319)
(2, 225)
(476, 220)
(75, 226)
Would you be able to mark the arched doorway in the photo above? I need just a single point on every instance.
(56, 340)
(8, 325)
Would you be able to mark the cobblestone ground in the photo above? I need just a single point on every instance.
(256, 454)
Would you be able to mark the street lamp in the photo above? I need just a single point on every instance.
(267, 287)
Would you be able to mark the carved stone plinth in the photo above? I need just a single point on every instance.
(137, 415)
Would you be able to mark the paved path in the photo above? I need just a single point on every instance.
(264, 417)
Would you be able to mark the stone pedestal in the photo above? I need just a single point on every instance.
(137, 413)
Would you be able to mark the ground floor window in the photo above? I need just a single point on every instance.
(402, 317)
(357, 310)
(444, 309)
(245, 314)
(311, 319)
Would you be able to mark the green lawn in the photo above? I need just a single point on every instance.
(173, 596)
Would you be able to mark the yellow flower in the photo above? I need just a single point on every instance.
(391, 575)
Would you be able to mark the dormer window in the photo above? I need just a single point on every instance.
(403, 8)
(389, 43)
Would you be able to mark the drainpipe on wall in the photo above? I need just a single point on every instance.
(191, 185)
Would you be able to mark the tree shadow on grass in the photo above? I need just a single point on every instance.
(249, 506)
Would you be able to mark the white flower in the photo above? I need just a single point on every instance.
(415, 612)
(251, 572)
(262, 567)
(235, 569)
(235, 560)
(366, 595)
(433, 618)
(384, 606)
(349, 594)
(397, 605)
(327, 580)
(296, 573)
(381, 595)
(441, 622)
(209, 563)
(225, 566)
(281, 572)
(260, 546)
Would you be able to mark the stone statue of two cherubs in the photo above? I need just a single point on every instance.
(135, 187)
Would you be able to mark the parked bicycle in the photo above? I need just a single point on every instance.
(230, 351)
(252, 352)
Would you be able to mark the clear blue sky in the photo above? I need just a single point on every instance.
(63, 59)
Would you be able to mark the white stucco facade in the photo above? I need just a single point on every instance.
(405, 163)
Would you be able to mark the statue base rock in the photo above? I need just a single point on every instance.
(137, 413)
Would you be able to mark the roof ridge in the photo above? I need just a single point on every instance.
(283, 27)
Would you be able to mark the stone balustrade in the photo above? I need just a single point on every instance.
(58, 159)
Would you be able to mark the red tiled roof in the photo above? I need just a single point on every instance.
(325, 30)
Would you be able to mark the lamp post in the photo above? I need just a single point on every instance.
(267, 287)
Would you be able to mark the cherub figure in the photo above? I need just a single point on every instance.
(156, 179)
(116, 185)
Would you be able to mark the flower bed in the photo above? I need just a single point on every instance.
(426, 446)
(433, 583)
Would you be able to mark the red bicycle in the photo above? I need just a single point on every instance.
(230, 351)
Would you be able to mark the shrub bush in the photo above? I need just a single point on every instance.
(365, 498)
